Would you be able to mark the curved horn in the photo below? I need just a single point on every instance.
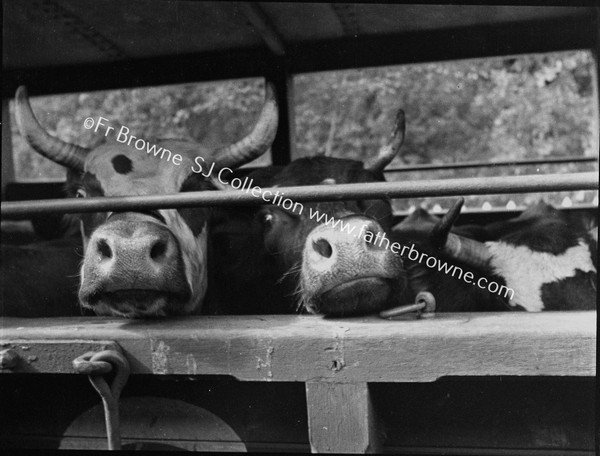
(390, 150)
(61, 152)
(466, 250)
(258, 141)
(469, 251)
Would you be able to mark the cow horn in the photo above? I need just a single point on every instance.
(466, 250)
(61, 152)
(390, 150)
(258, 141)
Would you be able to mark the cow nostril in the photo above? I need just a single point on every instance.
(158, 250)
(323, 248)
(104, 249)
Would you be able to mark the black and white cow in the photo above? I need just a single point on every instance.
(546, 258)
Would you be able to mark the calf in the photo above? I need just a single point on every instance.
(40, 279)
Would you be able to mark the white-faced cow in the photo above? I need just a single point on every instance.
(271, 260)
(144, 263)
(546, 257)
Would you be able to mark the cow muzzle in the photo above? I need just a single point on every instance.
(133, 268)
(349, 269)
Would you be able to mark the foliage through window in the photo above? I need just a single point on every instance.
(493, 109)
(211, 113)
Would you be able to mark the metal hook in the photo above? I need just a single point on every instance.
(424, 303)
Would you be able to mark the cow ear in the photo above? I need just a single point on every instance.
(73, 183)
(328, 181)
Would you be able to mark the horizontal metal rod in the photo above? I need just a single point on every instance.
(488, 164)
(406, 189)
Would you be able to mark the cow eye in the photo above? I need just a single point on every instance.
(80, 193)
(268, 218)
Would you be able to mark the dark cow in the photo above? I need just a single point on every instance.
(546, 257)
(271, 260)
(41, 279)
(144, 263)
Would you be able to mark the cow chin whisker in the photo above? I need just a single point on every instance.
(293, 270)
(299, 294)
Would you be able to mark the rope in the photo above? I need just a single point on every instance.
(96, 365)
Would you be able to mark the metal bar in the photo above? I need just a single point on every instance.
(442, 187)
(263, 26)
(487, 164)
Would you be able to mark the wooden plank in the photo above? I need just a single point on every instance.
(152, 71)
(8, 166)
(263, 26)
(371, 50)
(311, 348)
(341, 418)
(441, 45)
(37, 356)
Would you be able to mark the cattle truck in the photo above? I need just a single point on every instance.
(421, 383)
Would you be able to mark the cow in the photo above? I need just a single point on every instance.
(144, 263)
(40, 279)
(546, 257)
(273, 260)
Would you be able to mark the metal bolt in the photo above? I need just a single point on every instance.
(425, 303)
(8, 358)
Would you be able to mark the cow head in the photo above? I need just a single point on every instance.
(328, 251)
(152, 262)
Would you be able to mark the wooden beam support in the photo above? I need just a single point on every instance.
(8, 165)
(282, 150)
(210, 66)
(442, 45)
(263, 26)
(371, 50)
(341, 418)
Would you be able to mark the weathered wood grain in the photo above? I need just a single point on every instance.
(341, 418)
(310, 348)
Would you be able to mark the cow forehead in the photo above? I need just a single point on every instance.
(125, 170)
(313, 170)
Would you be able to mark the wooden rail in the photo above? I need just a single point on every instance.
(311, 348)
(337, 359)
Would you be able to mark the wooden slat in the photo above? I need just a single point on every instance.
(341, 418)
(332, 54)
(310, 348)
(8, 166)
